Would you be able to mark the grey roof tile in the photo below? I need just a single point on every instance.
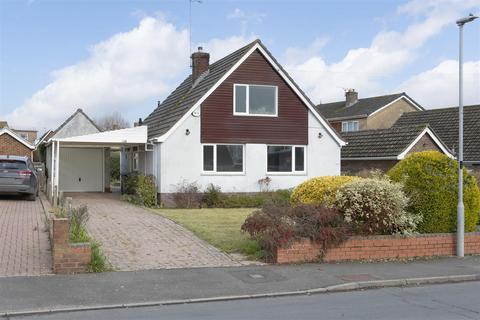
(445, 124)
(362, 108)
(177, 104)
(380, 143)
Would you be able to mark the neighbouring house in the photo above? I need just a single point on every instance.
(235, 122)
(354, 114)
(13, 144)
(29, 135)
(383, 148)
(445, 124)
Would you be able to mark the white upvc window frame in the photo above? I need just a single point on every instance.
(220, 173)
(293, 172)
(353, 122)
(135, 161)
(247, 102)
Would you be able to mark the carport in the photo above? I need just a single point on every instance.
(79, 163)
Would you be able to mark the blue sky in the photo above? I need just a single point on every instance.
(115, 55)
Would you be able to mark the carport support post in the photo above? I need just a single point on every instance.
(52, 169)
(57, 168)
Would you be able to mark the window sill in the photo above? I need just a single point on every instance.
(286, 173)
(222, 174)
(255, 115)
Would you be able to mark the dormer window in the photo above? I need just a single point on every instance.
(255, 100)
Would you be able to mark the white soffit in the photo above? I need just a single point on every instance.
(135, 135)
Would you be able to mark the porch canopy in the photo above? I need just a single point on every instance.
(82, 158)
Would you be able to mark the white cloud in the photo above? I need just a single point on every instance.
(438, 87)
(121, 73)
(390, 51)
(246, 18)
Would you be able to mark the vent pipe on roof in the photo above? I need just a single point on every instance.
(200, 63)
(351, 97)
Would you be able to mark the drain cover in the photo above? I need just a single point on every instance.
(256, 276)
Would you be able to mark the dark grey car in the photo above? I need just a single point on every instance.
(18, 176)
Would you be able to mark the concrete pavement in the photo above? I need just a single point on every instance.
(438, 302)
(116, 288)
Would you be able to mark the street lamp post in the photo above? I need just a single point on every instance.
(460, 206)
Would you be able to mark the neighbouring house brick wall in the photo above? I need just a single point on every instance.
(425, 143)
(380, 248)
(364, 166)
(68, 257)
(387, 117)
(11, 146)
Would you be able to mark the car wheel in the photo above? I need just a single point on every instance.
(31, 197)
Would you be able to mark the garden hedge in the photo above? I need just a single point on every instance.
(430, 180)
(319, 190)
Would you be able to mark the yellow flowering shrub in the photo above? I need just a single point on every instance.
(319, 190)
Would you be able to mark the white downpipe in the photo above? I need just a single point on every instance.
(52, 168)
(57, 169)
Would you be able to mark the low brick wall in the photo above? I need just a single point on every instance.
(68, 257)
(379, 248)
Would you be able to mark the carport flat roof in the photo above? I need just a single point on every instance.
(128, 136)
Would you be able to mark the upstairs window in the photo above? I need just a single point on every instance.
(255, 100)
(285, 159)
(223, 158)
(349, 126)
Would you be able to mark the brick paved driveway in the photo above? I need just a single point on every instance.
(134, 238)
(24, 243)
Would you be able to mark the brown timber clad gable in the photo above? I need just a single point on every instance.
(219, 125)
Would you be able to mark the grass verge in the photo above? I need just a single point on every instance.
(219, 227)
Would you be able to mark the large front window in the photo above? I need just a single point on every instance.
(286, 159)
(223, 158)
(255, 100)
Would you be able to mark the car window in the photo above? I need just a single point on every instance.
(12, 165)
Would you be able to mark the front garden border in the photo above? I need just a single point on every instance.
(378, 248)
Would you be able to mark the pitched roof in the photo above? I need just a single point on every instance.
(362, 108)
(445, 123)
(72, 116)
(44, 136)
(185, 97)
(385, 143)
(174, 107)
(14, 135)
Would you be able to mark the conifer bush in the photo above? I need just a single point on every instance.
(430, 180)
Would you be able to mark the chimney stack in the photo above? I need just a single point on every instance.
(351, 97)
(200, 63)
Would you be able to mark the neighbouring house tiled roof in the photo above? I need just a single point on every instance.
(362, 108)
(445, 124)
(72, 116)
(177, 104)
(383, 143)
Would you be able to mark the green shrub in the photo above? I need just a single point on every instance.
(319, 190)
(140, 189)
(430, 180)
(277, 225)
(376, 206)
(243, 201)
(129, 182)
(212, 197)
(98, 261)
(78, 218)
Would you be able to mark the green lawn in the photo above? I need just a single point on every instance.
(219, 227)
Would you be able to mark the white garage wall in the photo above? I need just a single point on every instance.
(181, 159)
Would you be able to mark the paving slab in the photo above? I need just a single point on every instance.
(134, 238)
(24, 242)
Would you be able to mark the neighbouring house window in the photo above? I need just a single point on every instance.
(349, 126)
(24, 136)
(223, 158)
(255, 100)
(286, 159)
